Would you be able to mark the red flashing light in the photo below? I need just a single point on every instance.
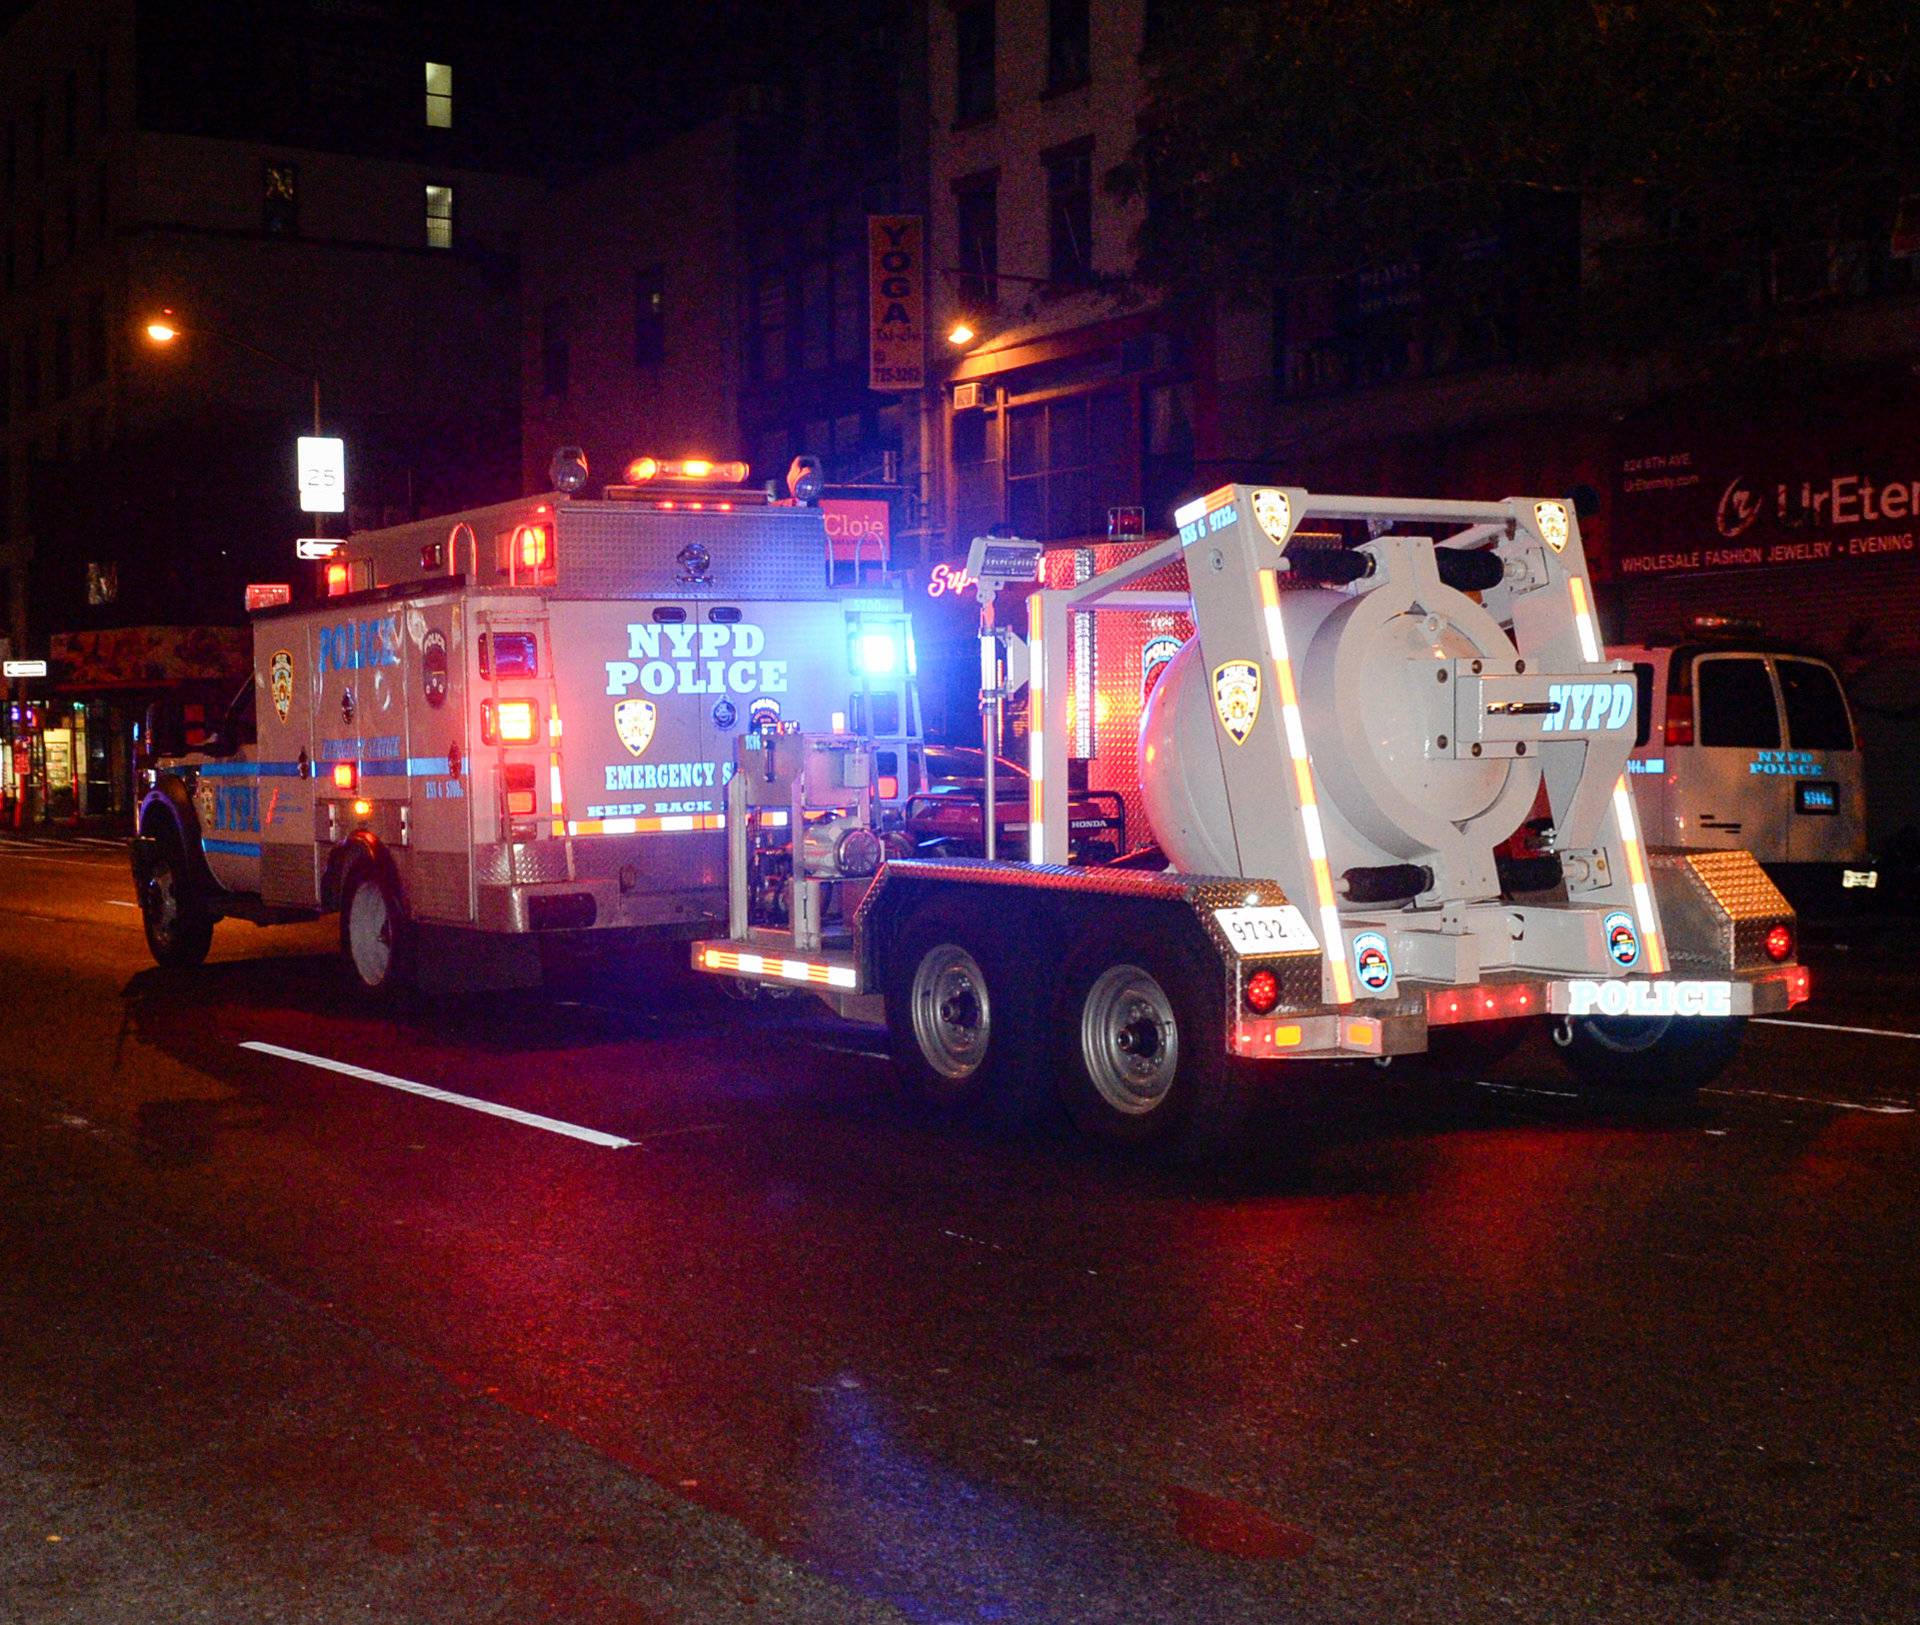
(1680, 719)
(345, 776)
(888, 787)
(336, 579)
(1263, 991)
(511, 722)
(1780, 943)
(1799, 985)
(534, 546)
(519, 781)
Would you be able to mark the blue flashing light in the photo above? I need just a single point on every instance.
(875, 653)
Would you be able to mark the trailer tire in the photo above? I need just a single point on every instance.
(1653, 1055)
(1140, 1059)
(376, 937)
(178, 923)
(959, 1018)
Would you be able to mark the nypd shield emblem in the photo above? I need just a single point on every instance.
(280, 681)
(633, 720)
(1236, 697)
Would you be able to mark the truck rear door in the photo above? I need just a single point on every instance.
(1828, 821)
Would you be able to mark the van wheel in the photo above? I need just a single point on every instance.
(1665, 1055)
(1141, 1059)
(376, 939)
(179, 928)
(958, 1019)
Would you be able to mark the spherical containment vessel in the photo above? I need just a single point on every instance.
(1375, 676)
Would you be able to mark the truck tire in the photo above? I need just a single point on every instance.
(1140, 1056)
(376, 938)
(1655, 1055)
(178, 925)
(959, 1018)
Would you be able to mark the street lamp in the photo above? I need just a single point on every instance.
(166, 327)
(960, 335)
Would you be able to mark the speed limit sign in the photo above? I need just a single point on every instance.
(323, 474)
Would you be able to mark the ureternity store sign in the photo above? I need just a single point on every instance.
(1708, 494)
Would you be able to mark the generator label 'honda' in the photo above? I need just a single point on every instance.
(684, 659)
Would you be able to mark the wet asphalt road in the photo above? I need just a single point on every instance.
(282, 1343)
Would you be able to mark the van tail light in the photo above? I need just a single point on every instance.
(519, 783)
(1680, 719)
(509, 722)
(346, 777)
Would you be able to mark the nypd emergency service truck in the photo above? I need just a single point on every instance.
(520, 719)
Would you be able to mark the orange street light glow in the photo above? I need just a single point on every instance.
(161, 330)
(960, 333)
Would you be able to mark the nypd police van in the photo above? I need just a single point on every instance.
(519, 720)
(1740, 743)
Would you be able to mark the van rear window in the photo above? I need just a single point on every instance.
(1736, 703)
(1816, 712)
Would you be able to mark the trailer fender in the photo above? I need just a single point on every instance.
(361, 845)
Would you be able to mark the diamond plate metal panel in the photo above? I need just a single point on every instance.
(1717, 908)
(619, 550)
(437, 886)
(520, 863)
(287, 876)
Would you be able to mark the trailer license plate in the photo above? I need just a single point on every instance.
(1864, 879)
(1281, 930)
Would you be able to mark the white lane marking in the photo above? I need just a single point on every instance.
(120, 902)
(552, 1125)
(1817, 1100)
(1829, 1027)
(1523, 1089)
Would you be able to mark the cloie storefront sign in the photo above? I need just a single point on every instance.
(709, 659)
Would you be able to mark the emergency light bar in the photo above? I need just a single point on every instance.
(642, 469)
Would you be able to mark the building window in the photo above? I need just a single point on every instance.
(71, 204)
(70, 113)
(770, 324)
(973, 63)
(40, 139)
(6, 393)
(30, 376)
(13, 160)
(556, 350)
(102, 199)
(11, 268)
(650, 316)
(440, 96)
(102, 84)
(977, 204)
(439, 217)
(1067, 462)
(1070, 214)
(280, 199)
(1068, 56)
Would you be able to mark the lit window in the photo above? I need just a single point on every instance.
(439, 96)
(280, 199)
(650, 316)
(439, 217)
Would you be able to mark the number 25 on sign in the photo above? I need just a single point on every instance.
(323, 474)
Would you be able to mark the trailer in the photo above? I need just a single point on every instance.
(517, 723)
(1368, 708)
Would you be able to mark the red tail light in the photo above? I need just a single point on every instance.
(345, 776)
(1780, 943)
(519, 782)
(888, 787)
(1263, 991)
(511, 722)
(1680, 719)
(336, 579)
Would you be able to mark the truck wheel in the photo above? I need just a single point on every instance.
(179, 928)
(1141, 1056)
(957, 1015)
(1666, 1055)
(376, 940)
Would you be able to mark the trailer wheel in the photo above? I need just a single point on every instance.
(1666, 1055)
(376, 938)
(1141, 1057)
(957, 1014)
(179, 928)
